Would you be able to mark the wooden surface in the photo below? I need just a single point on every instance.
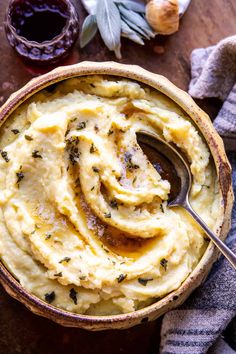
(205, 23)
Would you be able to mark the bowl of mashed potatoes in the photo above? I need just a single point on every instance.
(86, 235)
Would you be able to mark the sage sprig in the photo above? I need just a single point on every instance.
(113, 19)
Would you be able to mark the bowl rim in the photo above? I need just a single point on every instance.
(203, 122)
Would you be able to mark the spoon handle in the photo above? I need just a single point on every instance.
(221, 245)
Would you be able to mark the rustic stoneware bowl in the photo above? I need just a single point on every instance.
(215, 144)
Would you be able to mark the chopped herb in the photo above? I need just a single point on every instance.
(135, 179)
(92, 188)
(114, 204)
(81, 126)
(67, 132)
(164, 263)
(83, 277)
(144, 281)
(93, 149)
(28, 137)
(66, 260)
(107, 215)
(121, 277)
(106, 250)
(48, 236)
(73, 140)
(74, 153)
(5, 156)
(67, 168)
(162, 208)
(122, 131)
(20, 176)
(95, 169)
(73, 295)
(128, 159)
(15, 131)
(77, 182)
(36, 154)
(204, 185)
(110, 131)
(59, 275)
(73, 119)
(50, 297)
(37, 227)
(96, 128)
(119, 178)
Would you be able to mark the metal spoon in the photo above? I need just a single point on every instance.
(182, 197)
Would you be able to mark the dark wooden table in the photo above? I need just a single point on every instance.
(206, 22)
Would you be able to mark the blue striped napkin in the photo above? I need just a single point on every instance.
(198, 326)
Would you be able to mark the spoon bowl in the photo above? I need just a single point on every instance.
(181, 198)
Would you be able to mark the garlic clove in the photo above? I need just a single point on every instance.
(163, 16)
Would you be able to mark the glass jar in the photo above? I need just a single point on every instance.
(42, 31)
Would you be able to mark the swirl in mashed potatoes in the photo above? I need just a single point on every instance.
(84, 221)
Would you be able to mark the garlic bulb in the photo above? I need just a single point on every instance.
(163, 15)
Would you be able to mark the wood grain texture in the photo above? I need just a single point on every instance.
(206, 22)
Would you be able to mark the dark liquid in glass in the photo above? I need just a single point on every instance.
(42, 32)
(40, 25)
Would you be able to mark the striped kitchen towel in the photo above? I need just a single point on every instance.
(198, 326)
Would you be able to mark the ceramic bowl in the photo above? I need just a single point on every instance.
(216, 147)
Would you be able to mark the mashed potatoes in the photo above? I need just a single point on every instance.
(84, 221)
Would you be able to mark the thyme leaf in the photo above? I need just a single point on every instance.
(28, 137)
(36, 155)
(50, 297)
(114, 204)
(81, 126)
(96, 127)
(92, 149)
(121, 277)
(73, 295)
(65, 260)
(15, 131)
(144, 281)
(5, 155)
(110, 131)
(129, 163)
(20, 176)
(163, 263)
(59, 275)
(95, 169)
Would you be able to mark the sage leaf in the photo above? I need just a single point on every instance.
(89, 29)
(131, 5)
(137, 19)
(127, 32)
(90, 6)
(137, 29)
(109, 24)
